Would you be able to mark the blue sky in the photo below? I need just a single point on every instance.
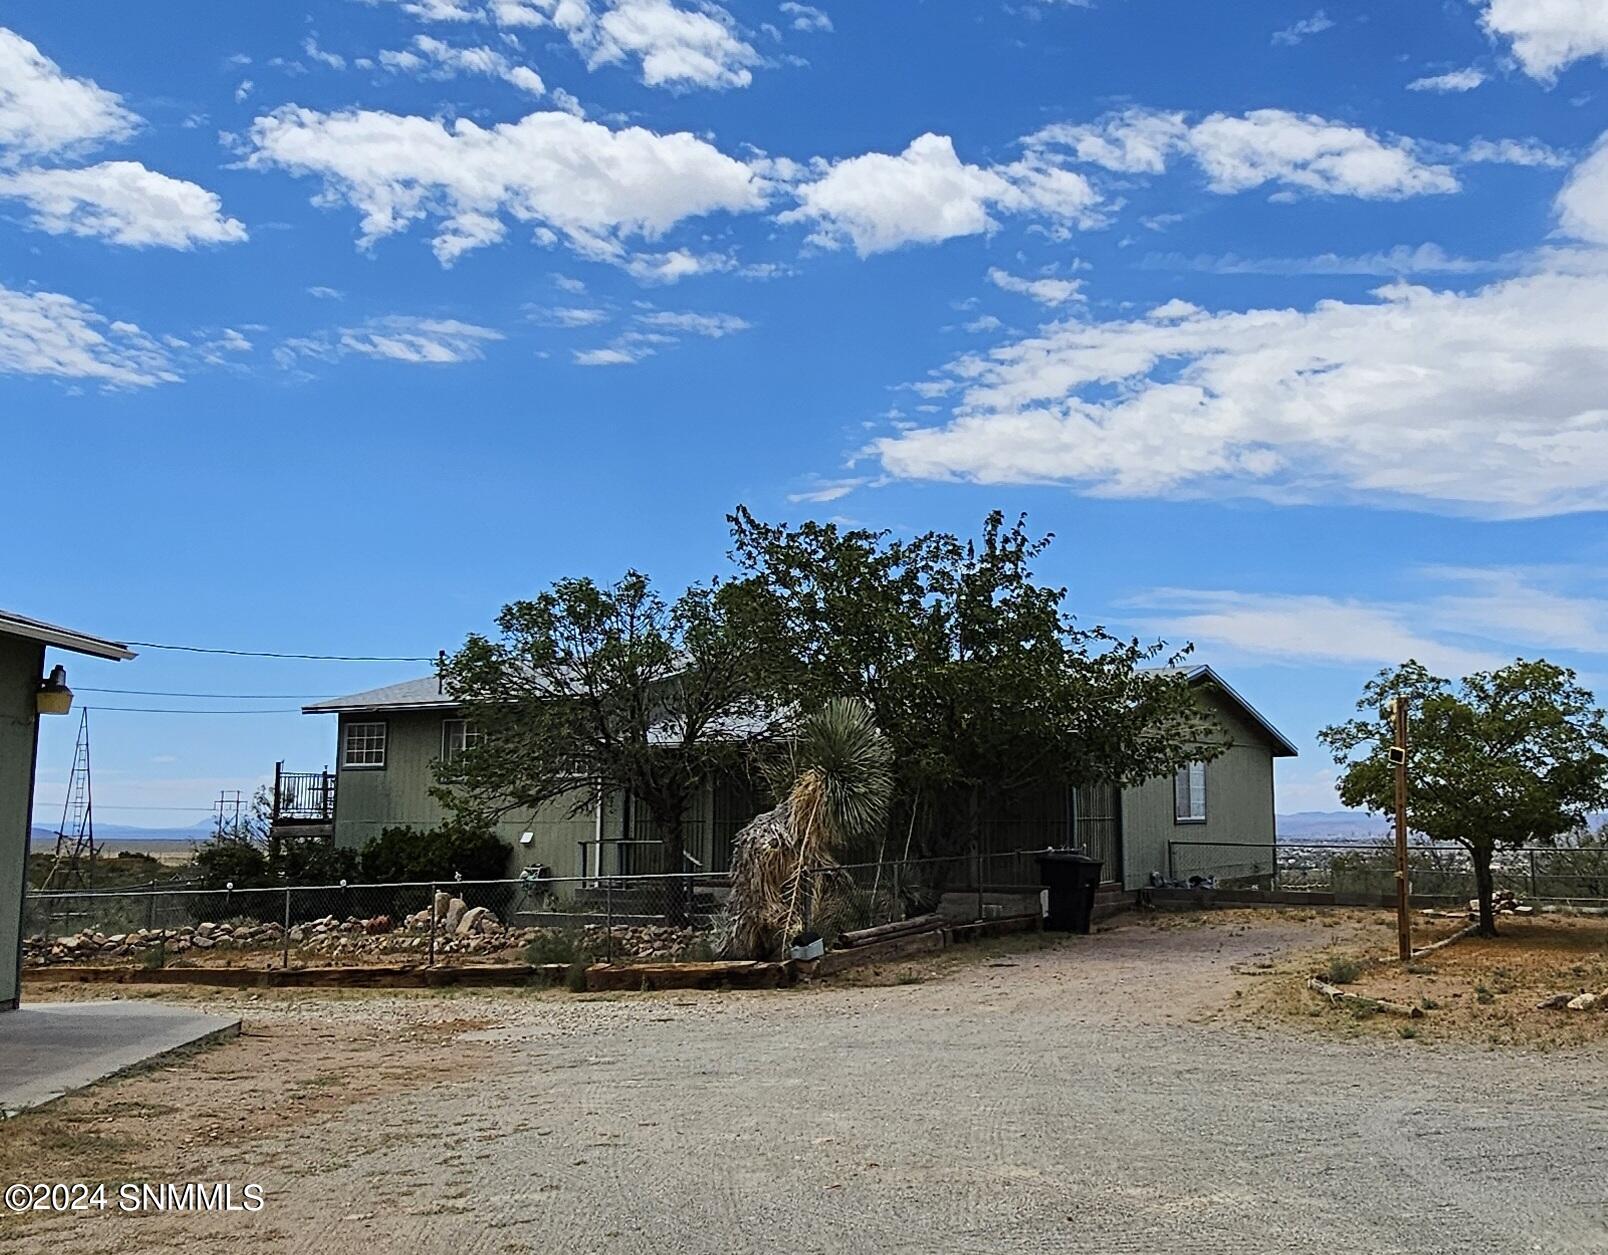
(329, 327)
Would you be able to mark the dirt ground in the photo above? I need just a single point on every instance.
(1159, 1086)
(1477, 989)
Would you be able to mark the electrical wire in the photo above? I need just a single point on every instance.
(265, 697)
(253, 653)
(181, 710)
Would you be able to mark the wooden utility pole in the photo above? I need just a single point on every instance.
(1398, 760)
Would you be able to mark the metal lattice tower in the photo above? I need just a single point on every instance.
(74, 866)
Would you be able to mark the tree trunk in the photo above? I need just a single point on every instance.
(1483, 887)
(677, 894)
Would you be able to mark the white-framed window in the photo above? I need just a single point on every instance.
(1189, 794)
(363, 745)
(458, 735)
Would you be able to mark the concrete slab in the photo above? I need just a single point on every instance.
(51, 1049)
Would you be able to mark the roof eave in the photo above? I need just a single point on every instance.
(1283, 747)
(64, 638)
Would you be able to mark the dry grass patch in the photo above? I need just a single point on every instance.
(1477, 989)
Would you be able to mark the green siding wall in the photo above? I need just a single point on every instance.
(1239, 808)
(368, 800)
(21, 663)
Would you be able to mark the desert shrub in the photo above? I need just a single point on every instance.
(315, 861)
(223, 862)
(575, 978)
(1342, 971)
(547, 948)
(445, 853)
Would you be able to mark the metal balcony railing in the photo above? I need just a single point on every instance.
(303, 797)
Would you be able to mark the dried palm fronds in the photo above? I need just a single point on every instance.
(837, 779)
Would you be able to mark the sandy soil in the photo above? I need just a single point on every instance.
(1478, 989)
(1111, 1092)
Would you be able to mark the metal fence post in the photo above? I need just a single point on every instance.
(979, 861)
(608, 921)
(284, 936)
(432, 922)
(150, 907)
(1534, 892)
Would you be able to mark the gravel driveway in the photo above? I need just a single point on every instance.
(1086, 1098)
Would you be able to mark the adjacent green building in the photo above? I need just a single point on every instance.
(1214, 818)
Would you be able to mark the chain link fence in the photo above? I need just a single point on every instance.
(533, 919)
(1562, 874)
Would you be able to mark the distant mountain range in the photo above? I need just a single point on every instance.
(198, 831)
(1331, 826)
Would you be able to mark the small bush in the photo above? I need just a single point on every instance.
(1428, 1004)
(909, 977)
(575, 978)
(1342, 971)
(548, 948)
(445, 853)
(1407, 1031)
(1483, 996)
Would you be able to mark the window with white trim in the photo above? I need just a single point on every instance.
(458, 735)
(363, 745)
(1189, 794)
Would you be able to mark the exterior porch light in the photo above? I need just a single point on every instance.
(54, 697)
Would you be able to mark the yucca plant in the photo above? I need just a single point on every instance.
(835, 779)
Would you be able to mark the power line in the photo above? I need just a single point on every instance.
(102, 806)
(283, 697)
(253, 653)
(190, 710)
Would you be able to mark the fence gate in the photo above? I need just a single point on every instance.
(1097, 827)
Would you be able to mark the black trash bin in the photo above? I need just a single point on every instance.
(1072, 878)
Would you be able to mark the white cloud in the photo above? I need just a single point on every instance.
(926, 194)
(439, 10)
(567, 177)
(1548, 35)
(1134, 141)
(441, 60)
(331, 59)
(1487, 402)
(1523, 608)
(44, 111)
(1459, 619)
(1403, 259)
(712, 326)
(1295, 628)
(1299, 153)
(654, 330)
(397, 338)
(806, 17)
(1515, 152)
(672, 46)
(244, 90)
(1304, 29)
(571, 316)
(323, 293)
(125, 203)
(1583, 203)
(1306, 153)
(1046, 291)
(1465, 80)
(46, 333)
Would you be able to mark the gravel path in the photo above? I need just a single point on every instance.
(1086, 1098)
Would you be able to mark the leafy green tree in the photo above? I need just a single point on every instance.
(983, 683)
(593, 687)
(1502, 758)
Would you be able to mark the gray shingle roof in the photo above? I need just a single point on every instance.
(421, 694)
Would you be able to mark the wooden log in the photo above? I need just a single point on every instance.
(1338, 996)
(882, 932)
(879, 951)
(1445, 941)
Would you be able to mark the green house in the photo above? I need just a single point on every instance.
(1213, 819)
(27, 691)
